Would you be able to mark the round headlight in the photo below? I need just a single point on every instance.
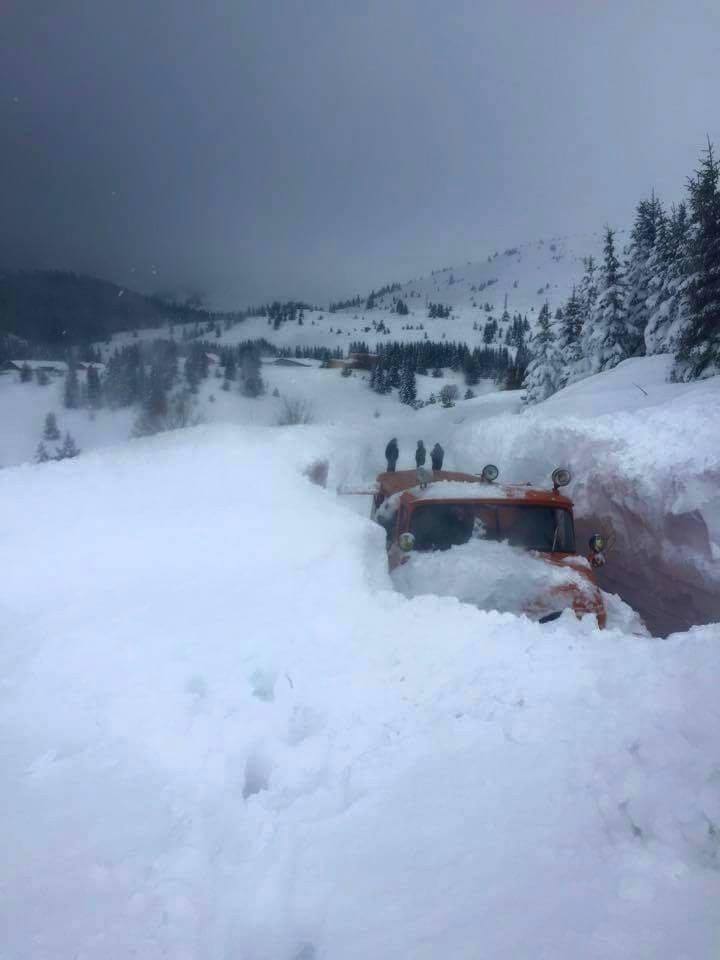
(490, 472)
(406, 541)
(597, 543)
(561, 477)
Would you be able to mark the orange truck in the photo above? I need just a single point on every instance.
(423, 511)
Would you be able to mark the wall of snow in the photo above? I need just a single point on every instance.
(646, 462)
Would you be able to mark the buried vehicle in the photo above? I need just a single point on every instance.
(501, 546)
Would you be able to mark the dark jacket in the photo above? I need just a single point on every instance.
(436, 456)
(392, 452)
(420, 454)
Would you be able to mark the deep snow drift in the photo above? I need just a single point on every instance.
(225, 735)
(645, 455)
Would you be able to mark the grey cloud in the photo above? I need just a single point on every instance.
(253, 149)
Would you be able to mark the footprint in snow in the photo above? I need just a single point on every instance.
(304, 722)
(262, 683)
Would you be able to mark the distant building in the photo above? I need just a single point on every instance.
(212, 358)
(363, 361)
(85, 365)
(287, 362)
(355, 361)
(57, 368)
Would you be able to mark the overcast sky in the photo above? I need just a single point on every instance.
(257, 148)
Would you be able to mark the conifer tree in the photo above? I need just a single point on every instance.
(698, 353)
(545, 368)
(69, 448)
(408, 385)
(250, 365)
(230, 367)
(41, 454)
(587, 297)
(72, 388)
(648, 217)
(51, 431)
(471, 368)
(94, 388)
(154, 409)
(608, 342)
(667, 301)
(568, 340)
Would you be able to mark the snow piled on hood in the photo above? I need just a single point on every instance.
(490, 575)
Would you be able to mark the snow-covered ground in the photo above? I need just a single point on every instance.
(224, 735)
(644, 455)
(227, 733)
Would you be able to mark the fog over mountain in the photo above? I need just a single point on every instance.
(253, 150)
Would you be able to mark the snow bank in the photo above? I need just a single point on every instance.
(646, 463)
(223, 735)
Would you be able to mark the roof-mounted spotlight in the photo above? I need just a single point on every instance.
(561, 477)
(490, 472)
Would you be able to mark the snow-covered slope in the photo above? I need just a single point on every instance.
(522, 277)
(224, 735)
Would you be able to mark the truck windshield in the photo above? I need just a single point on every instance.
(439, 526)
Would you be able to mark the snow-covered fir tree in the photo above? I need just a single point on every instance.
(51, 431)
(587, 294)
(408, 386)
(154, 406)
(569, 337)
(250, 366)
(41, 454)
(698, 353)
(72, 388)
(545, 369)
(667, 299)
(638, 275)
(69, 448)
(608, 341)
(94, 388)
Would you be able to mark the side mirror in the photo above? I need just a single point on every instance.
(406, 541)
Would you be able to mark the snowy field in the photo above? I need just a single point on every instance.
(225, 735)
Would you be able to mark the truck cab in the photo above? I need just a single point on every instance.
(425, 512)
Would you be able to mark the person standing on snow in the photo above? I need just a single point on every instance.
(420, 454)
(436, 457)
(391, 455)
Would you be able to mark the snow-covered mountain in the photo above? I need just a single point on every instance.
(521, 278)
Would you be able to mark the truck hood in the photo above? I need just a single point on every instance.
(497, 576)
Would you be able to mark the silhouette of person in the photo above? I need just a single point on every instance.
(391, 455)
(436, 457)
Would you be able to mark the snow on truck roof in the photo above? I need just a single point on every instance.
(447, 485)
